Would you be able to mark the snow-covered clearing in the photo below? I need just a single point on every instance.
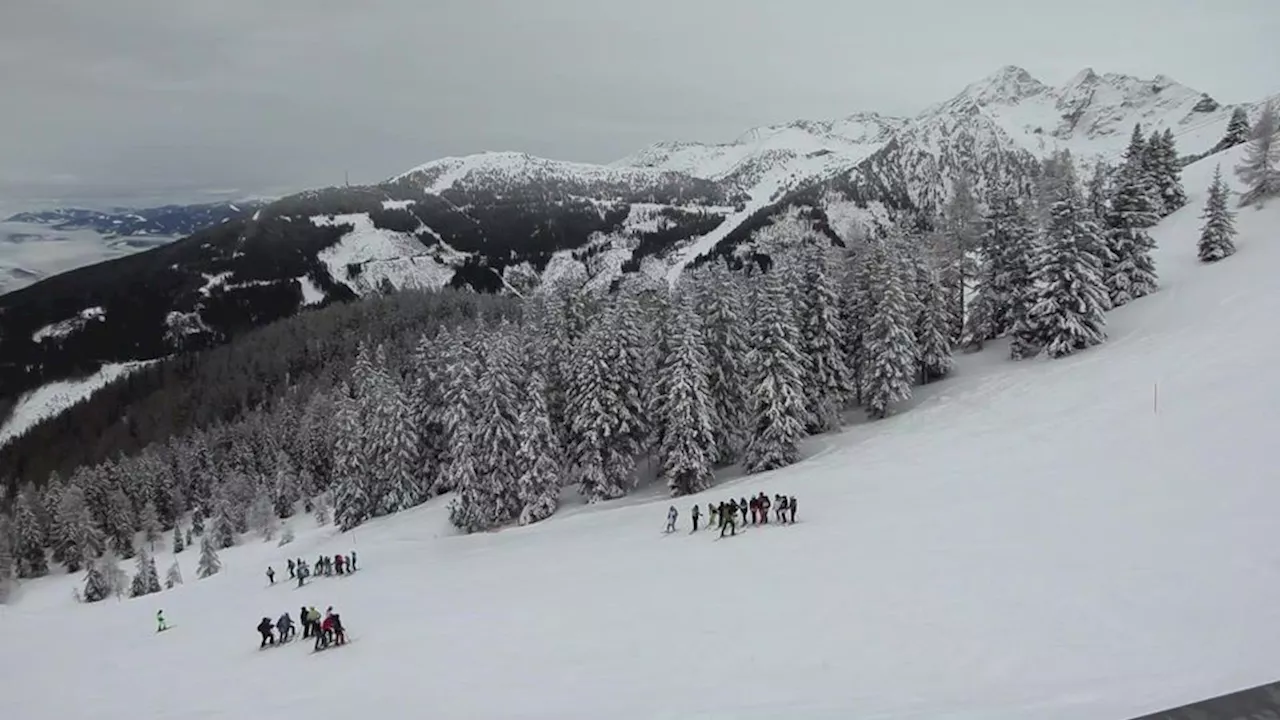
(63, 328)
(57, 397)
(1033, 540)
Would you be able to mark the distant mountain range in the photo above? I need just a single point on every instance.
(506, 221)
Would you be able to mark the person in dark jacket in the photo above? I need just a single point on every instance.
(271, 574)
(339, 563)
(286, 628)
(743, 507)
(762, 502)
(306, 624)
(351, 564)
(791, 506)
(291, 567)
(782, 508)
(265, 628)
(696, 513)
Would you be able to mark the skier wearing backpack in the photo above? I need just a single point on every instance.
(782, 508)
(695, 513)
(728, 518)
(266, 629)
(286, 628)
(762, 502)
(671, 518)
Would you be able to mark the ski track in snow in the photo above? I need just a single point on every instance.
(1028, 540)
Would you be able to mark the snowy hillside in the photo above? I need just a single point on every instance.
(1086, 538)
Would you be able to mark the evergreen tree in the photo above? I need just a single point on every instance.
(209, 563)
(625, 368)
(472, 509)
(933, 324)
(1259, 169)
(1238, 131)
(145, 580)
(1098, 198)
(29, 546)
(149, 523)
(588, 414)
(286, 536)
(962, 231)
(402, 464)
(1217, 237)
(1008, 246)
(323, 509)
(81, 542)
(1069, 313)
(1131, 274)
(351, 504)
(538, 458)
(777, 380)
(178, 544)
(223, 526)
(7, 563)
(173, 576)
(890, 342)
(287, 485)
(458, 397)
(98, 584)
(828, 381)
(1164, 172)
(495, 440)
(262, 515)
(685, 409)
(724, 330)
(427, 406)
(120, 523)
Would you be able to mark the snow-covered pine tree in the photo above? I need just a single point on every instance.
(287, 491)
(626, 367)
(933, 323)
(1164, 172)
(854, 305)
(402, 463)
(149, 524)
(1008, 249)
(209, 563)
(223, 526)
(495, 440)
(81, 542)
(1132, 273)
(962, 228)
(142, 578)
(173, 576)
(286, 536)
(323, 509)
(891, 349)
(776, 382)
(7, 562)
(120, 523)
(1259, 169)
(725, 332)
(472, 508)
(828, 382)
(1237, 131)
(262, 514)
(178, 543)
(685, 409)
(1217, 237)
(1068, 314)
(539, 460)
(458, 397)
(30, 540)
(98, 583)
(350, 496)
(426, 405)
(1098, 197)
(587, 409)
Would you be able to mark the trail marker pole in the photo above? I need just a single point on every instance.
(1155, 398)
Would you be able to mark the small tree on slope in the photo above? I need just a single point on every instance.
(1237, 131)
(149, 523)
(1217, 235)
(1259, 170)
(173, 576)
(1132, 274)
(685, 407)
(777, 381)
(209, 563)
(1068, 314)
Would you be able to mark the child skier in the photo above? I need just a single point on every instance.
(671, 518)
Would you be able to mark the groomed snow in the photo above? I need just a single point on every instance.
(1037, 540)
(54, 398)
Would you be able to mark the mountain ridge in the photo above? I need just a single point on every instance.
(507, 221)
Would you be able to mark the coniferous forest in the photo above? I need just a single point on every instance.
(358, 411)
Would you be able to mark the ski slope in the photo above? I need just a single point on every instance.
(1046, 539)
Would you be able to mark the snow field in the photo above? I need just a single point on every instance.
(1030, 540)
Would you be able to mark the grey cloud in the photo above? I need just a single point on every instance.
(155, 97)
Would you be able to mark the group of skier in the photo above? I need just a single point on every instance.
(727, 515)
(324, 565)
(326, 630)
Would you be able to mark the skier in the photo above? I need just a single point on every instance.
(762, 502)
(271, 575)
(782, 508)
(286, 628)
(313, 616)
(695, 512)
(326, 631)
(743, 507)
(351, 565)
(338, 563)
(160, 624)
(302, 574)
(713, 515)
(339, 633)
(306, 623)
(291, 567)
(265, 628)
(671, 518)
(791, 506)
(728, 518)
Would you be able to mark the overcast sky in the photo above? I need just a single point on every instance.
(146, 100)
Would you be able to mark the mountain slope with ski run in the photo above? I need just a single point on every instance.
(1079, 539)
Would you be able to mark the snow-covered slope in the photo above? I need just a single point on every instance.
(1051, 539)
(53, 399)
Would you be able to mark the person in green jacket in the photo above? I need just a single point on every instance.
(160, 624)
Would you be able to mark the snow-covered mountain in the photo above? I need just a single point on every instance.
(504, 221)
(39, 244)
(1078, 539)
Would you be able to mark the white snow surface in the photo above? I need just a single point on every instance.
(57, 397)
(1048, 540)
(381, 254)
(63, 328)
(311, 293)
